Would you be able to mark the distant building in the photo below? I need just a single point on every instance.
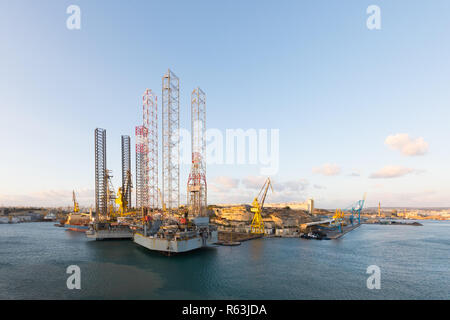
(307, 205)
(311, 205)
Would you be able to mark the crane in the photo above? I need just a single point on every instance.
(339, 219)
(257, 226)
(356, 210)
(122, 195)
(110, 197)
(76, 208)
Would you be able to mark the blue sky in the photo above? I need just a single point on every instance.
(312, 69)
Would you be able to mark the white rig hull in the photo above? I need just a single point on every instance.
(109, 234)
(175, 246)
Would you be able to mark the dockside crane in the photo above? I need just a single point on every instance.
(257, 226)
(76, 207)
(356, 210)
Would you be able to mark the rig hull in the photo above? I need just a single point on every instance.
(78, 228)
(172, 246)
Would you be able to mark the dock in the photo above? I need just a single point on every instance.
(336, 234)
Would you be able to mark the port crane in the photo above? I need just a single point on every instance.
(257, 226)
(356, 209)
(76, 208)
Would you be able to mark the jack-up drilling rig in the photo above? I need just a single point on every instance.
(257, 226)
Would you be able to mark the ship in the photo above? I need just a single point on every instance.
(109, 230)
(168, 237)
(78, 222)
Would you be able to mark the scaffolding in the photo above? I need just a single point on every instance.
(151, 123)
(101, 178)
(141, 166)
(126, 169)
(147, 154)
(196, 186)
(170, 141)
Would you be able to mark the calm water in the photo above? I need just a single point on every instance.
(414, 262)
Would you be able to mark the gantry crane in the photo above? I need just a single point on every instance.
(257, 226)
(357, 209)
(76, 208)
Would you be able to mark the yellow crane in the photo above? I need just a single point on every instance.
(76, 208)
(257, 226)
(122, 196)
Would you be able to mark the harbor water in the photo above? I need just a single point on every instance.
(414, 264)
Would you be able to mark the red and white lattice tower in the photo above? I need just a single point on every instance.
(196, 186)
(147, 154)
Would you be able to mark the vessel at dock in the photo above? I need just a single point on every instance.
(109, 230)
(170, 238)
(78, 222)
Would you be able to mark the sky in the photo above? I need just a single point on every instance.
(358, 110)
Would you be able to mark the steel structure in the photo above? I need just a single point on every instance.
(151, 123)
(110, 198)
(196, 186)
(147, 154)
(257, 226)
(101, 178)
(170, 141)
(356, 210)
(126, 169)
(141, 167)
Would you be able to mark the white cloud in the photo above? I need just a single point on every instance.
(391, 172)
(293, 185)
(253, 182)
(226, 182)
(407, 145)
(327, 169)
(223, 185)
